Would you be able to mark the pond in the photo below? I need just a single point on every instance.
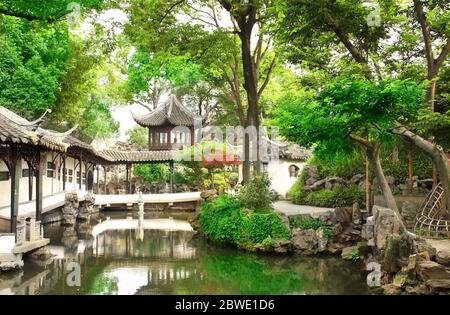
(113, 254)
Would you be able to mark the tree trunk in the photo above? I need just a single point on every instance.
(373, 151)
(250, 82)
(437, 155)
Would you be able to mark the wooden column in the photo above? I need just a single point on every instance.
(39, 172)
(30, 181)
(171, 176)
(81, 174)
(16, 173)
(64, 173)
(104, 168)
(98, 179)
(127, 180)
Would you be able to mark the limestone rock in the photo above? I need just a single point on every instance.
(333, 182)
(306, 241)
(348, 252)
(343, 215)
(430, 270)
(70, 209)
(421, 289)
(386, 224)
(86, 208)
(443, 257)
(356, 214)
(207, 194)
(409, 211)
(358, 178)
(438, 283)
(391, 289)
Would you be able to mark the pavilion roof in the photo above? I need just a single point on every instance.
(171, 111)
(15, 129)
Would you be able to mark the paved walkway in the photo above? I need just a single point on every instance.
(49, 203)
(289, 209)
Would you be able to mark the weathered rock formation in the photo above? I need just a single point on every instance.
(409, 264)
(341, 229)
(70, 209)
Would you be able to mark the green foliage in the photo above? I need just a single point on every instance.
(337, 197)
(256, 194)
(138, 136)
(355, 256)
(151, 173)
(32, 62)
(225, 220)
(308, 223)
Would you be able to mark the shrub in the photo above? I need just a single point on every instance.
(256, 195)
(337, 197)
(259, 226)
(224, 220)
(151, 173)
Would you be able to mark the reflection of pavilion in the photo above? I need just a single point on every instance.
(138, 254)
(156, 238)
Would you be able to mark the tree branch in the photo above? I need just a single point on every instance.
(442, 56)
(268, 76)
(171, 8)
(354, 51)
(418, 8)
(360, 140)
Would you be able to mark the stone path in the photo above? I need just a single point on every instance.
(289, 209)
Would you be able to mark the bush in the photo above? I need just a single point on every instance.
(256, 195)
(225, 220)
(337, 197)
(151, 173)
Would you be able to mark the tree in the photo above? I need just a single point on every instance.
(138, 136)
(44, 66)
(223, 51)
(346, 22)
(352, 109)
(47, 11)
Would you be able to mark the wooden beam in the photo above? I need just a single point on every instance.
(16, 174)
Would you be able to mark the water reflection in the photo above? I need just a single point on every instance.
(129, 256)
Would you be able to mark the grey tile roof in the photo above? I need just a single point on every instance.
(15, 129)
(172, 111)
(295, 152)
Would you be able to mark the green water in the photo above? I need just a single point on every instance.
(128, 261)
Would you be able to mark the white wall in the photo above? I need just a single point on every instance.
(50, 185)
(278, 172)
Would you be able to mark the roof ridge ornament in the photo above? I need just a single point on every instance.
(36, 123)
